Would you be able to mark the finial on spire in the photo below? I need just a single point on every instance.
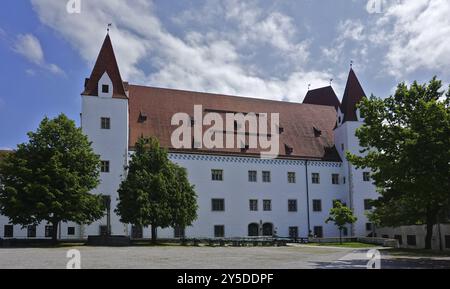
(109, 27)
(351, 63)
(331, 81)
(309, 86)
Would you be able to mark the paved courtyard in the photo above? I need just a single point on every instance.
(299, 257)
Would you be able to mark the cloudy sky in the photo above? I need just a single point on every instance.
(260, 48)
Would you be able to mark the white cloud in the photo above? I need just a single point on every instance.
(29, 46)
(210, 61)
(417, 34)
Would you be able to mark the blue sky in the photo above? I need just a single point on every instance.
(260, 48)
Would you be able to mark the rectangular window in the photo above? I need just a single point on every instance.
(318, 232)
(104, 166)
(317, 205)
(399, 238)
(70, 231)
(137, 232)
(105, 123)
(293, 232)
(179, 232)
(219, 231)
(315, 178)
(335, 179)
(366, 176)
(368, 226)
(411, 240)
(31, 231)
(252, 176)
(103, 230)
(345, 231)
(267, 205)
(217, 175)
(291, 177)
(447, 241)
(367, 204)
(48, 231)
(8, 231)
(266, 176)
(253, 205)
(218, 205)
(292, 205)
(105, 88)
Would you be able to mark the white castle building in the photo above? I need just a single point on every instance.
(239, 193)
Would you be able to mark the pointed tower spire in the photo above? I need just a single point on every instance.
(353, 94)
(106, 62)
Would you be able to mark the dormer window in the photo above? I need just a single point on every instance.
(142, 117)
(105, 88)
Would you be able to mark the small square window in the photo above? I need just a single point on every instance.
(8, 231)
(105, 123)
(218, 205)
(315, 178)
(335, 179)
(366, 176)
(219, 231)
(70, 231)
(252, 176)
(318, 232)
(179, 232)
(267, 205)
(266, 177)
(217, 175)
(293, 232)
(411, 240)
(48, 231)
(105, 88)
(292, 205)
(367, 204)
(291, 177)
(104, 167)
(317, 205)
(253, 205)
(368, 226)
(31, 231)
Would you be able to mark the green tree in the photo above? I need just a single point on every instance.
(406, 143)
(156, 192)
(49, 177)
(341, 215)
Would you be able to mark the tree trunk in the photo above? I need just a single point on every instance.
(429, 235)
(55, 232)
(154, 234)
(340, 236)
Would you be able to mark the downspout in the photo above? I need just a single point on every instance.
(307, 197)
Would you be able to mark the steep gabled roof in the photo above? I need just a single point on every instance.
(299, 123)
(322, 96)
(106, 62)
(353, 94)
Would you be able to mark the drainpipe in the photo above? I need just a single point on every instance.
(307, 197)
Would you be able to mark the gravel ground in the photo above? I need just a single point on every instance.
(298, 257)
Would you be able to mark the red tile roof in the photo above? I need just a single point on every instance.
(106, 62)
(353, 94)
(322, 96)
(307, 129)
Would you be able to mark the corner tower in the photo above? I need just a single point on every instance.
(104, 119)
(359, 185)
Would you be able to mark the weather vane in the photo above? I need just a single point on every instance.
(351, 63)
(109, 26)
(309, 86)
(331, 81)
